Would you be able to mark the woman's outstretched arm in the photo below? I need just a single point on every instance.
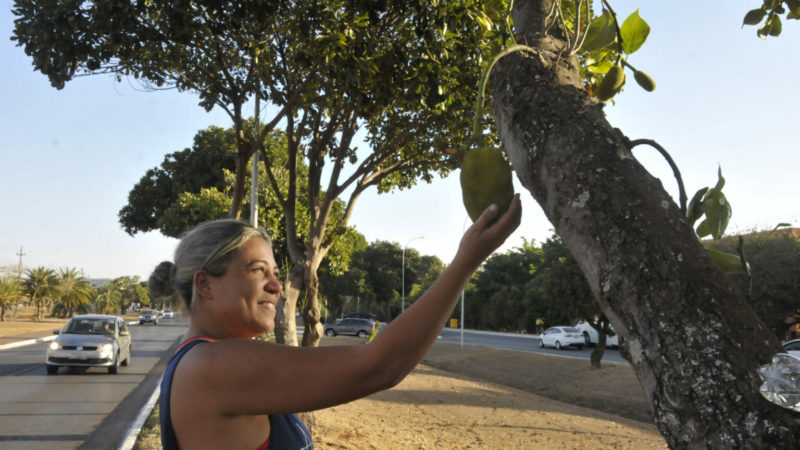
(239, 377)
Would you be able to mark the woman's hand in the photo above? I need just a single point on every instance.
(485, 236)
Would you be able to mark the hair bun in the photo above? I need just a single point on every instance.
(160, 283)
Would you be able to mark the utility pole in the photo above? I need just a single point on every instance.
(20, 254)
(19, 280)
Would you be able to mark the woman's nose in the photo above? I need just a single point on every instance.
(273, 286)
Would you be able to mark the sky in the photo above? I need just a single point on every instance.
(68, 158)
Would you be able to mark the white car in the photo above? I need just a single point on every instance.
(168, 314)
(560, 337)
(590, 336)
(792, 347)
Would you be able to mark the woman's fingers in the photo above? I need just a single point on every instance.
(483, 237)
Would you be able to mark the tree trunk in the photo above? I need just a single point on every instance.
(238, 186)
(599, 350)
(694, 341)
(285, 323)
(311, 313)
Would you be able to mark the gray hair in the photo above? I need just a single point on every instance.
(209, 246)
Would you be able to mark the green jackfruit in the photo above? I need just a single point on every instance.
(611, 83)
(645, 81)
(485, 180)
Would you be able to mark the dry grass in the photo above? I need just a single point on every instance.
(474, 398)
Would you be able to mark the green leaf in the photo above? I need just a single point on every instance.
(634, 32)
(763, 30)
(603, 67)
(718, 213)
(704, 229)
(695, 210)
(600, 34)
(775, 26)
(720, 180)
(753, 17)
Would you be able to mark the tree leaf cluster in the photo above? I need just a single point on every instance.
(773, 286)
(711, 203)
(529, 288)
(606, 44)
(186, 171)
(770, 14)
(373, 281)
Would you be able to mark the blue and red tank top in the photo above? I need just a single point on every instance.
(287, 431)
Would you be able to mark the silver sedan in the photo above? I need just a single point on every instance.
(91, 341)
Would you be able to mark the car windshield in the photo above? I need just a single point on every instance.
(90, 326)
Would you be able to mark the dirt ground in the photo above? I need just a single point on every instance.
(482, 398)
(478, 398)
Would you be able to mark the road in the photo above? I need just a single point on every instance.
(521, 343)
(79, 408)
(93, 409)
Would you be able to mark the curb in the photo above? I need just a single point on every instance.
(26, 342)
(133, 432)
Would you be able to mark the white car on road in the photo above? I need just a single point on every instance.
(590, 336)
(560, 337)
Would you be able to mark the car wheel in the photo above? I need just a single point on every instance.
(558, 345)
(362, 334)
(586, 339)
(155, 322)
(114, 368)
(541, 343)
(127, 361)
(330, 332)
(141, 322)
(52, 370)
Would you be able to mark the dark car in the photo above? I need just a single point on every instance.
(358, 315)
(354, 327)
(92, 340)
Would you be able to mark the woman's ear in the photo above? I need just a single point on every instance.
(202, 284)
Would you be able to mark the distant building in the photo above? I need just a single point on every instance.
(99, 283)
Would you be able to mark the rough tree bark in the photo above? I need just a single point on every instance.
(694, 341)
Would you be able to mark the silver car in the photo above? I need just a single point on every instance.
(91, 341)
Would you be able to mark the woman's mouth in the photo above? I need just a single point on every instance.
(269, 306)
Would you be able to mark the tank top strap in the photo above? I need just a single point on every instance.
(169, 440)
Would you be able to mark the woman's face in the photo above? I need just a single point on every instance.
(246, 297)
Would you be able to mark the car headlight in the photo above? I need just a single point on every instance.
(106, 349)
(55, 346)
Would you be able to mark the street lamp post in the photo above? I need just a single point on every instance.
(463, 230)
(403, 272)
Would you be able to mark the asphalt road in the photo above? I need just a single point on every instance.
(79, 408)
(521, 343)
(91, 409)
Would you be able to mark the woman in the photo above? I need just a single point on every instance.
(223, 389)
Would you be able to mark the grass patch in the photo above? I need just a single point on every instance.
(149, 437)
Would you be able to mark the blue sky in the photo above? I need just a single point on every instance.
(70, 157)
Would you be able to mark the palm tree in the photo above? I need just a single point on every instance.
(74, 292)
(10, 292)
(108, 300)
(41, 285)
